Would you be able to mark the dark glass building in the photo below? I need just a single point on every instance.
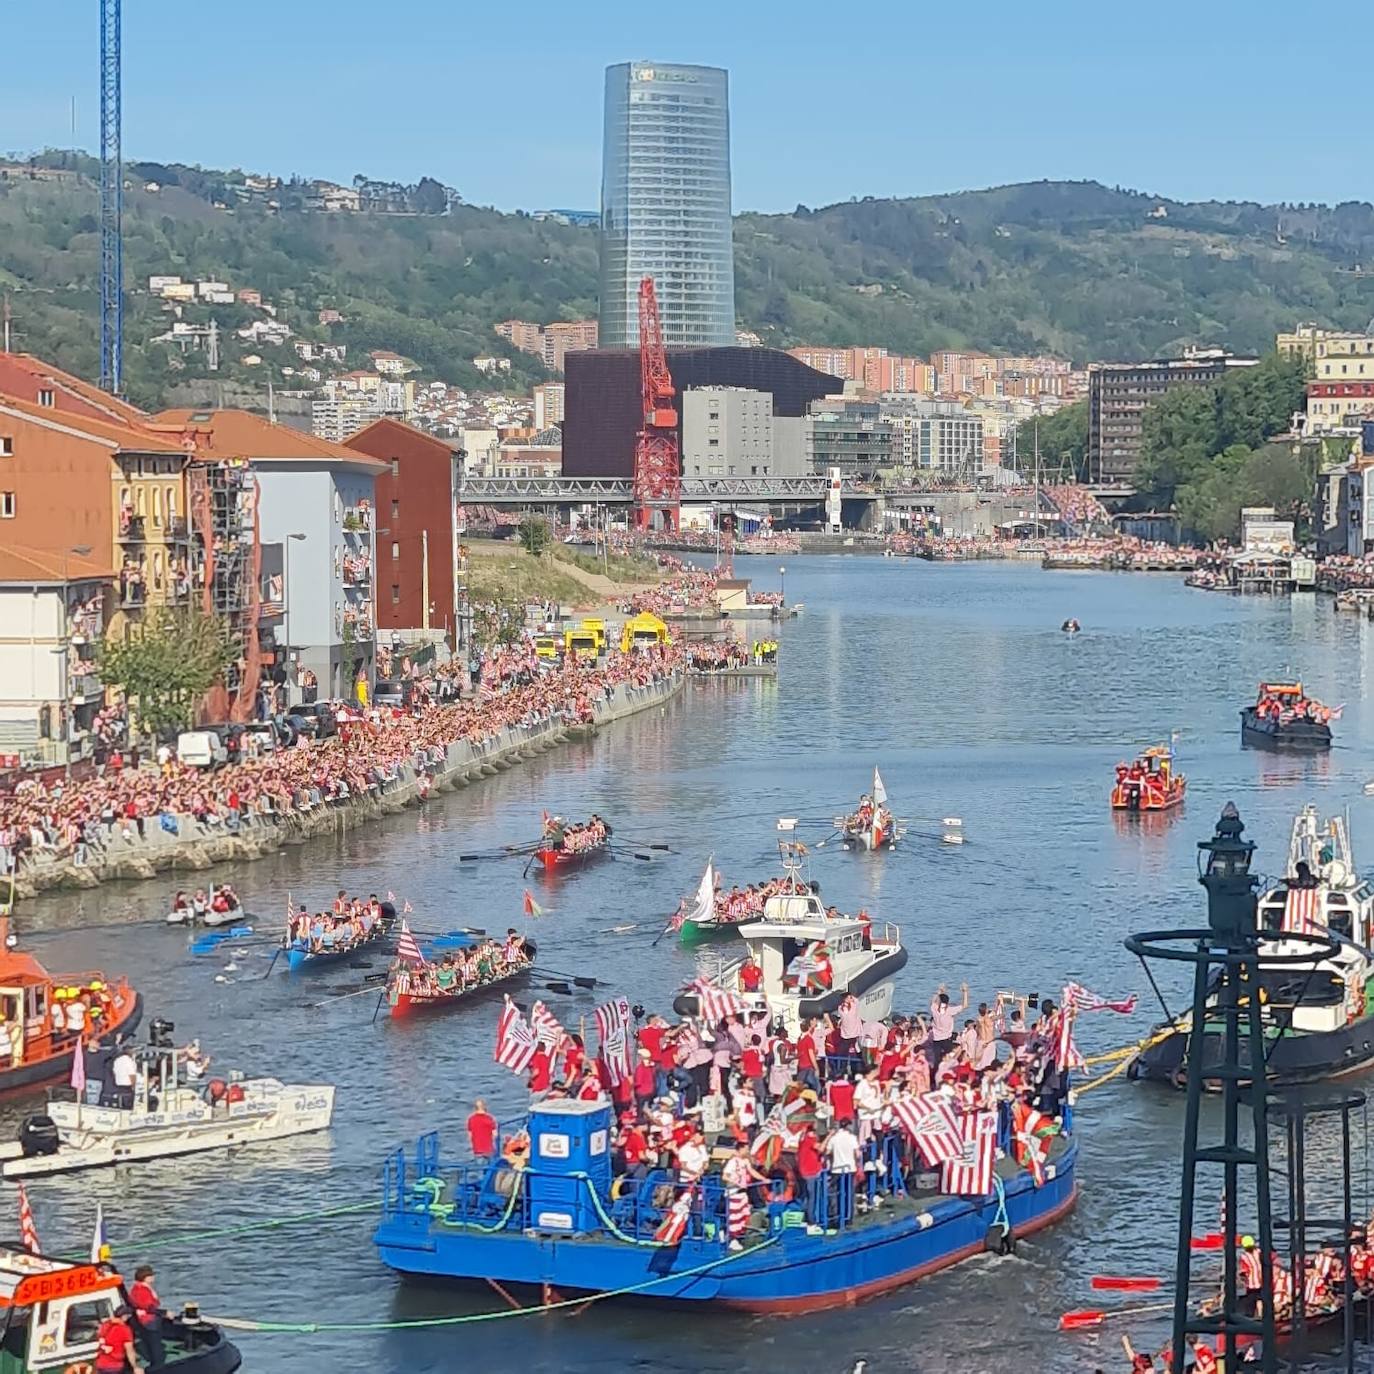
(602, 404)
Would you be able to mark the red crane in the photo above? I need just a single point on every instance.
(658, 469)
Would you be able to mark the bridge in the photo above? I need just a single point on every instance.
(574, 491)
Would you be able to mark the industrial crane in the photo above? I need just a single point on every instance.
(111, 204)
(658, 470)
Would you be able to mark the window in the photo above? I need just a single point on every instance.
(395, 510)
(45, 397)
(714, 443)
(395, 549)
(6, 505)
(395, 593)
(6, 446)
(395, 467)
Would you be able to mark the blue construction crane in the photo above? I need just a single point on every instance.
(111, 204)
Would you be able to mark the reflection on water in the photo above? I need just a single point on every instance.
(958, 682)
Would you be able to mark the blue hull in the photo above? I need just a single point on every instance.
(303, 961)
(788, 1270)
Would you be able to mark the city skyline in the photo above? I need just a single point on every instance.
(1092, 96)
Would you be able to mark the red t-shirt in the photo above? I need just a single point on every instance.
(482, 1133)
(809, 1160)
(635, 1146)
(651, 1039)
(145, 1303)
(750, 977)
(841, 1093)
(751, 1061)
(806, 1052)
(541, 1072)
(116, 1335)
(644, 1080)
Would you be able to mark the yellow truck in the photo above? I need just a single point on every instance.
(581, 643)
(546, 646)
(643, 629)
(598, 627)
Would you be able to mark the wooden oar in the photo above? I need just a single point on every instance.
(376, 1011)
(1081, 1320)
(342, 997)
(275, 957)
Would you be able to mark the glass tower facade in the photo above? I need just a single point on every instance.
(665, 204)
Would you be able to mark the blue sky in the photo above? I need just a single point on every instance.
(828, 100)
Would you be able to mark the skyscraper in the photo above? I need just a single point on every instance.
(665, 203)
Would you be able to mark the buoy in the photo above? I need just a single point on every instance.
(951, 822)
(1369, 789)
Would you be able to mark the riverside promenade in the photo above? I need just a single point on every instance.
(126, 855)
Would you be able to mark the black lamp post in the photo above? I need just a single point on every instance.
(1224, 870)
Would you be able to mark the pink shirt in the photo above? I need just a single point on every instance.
(941, 1021)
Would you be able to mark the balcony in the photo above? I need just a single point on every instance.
(83, 685)
(136, 529)
(357, 520)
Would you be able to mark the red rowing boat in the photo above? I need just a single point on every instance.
(411, 994)
(565, 846)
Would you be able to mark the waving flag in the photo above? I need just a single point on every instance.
(716, 1003)
(1078, 998)
(515, 1041)
(100, 1245)
(971, 1174)
(879, 791)
(79, 1070)
(674, 1225)
(1031, 1133)
(546, 1028)
(614, 1029)
(1302, 911)
(28, 1232)
(407, 948)
(702, 907)
(532, 908)
(930, 1120)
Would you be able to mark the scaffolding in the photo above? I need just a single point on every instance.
(227, 560)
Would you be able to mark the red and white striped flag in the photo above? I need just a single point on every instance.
(28, 1232)
(515, 1041)
(930, 1120)
(971, 1174)
(614, 1030)
(674, 1225)
(546, 1028)
(1066, 1054)
(714, 1003)
(1302, 911)
(407, 948)
(1078, 998)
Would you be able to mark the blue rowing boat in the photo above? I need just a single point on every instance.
(301, 958)
(561, 1227)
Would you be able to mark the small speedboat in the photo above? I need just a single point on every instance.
(1071, 627)
(180, 916)
(1150, 783)
(171, 1115)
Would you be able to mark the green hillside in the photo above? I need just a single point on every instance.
(1072, 268)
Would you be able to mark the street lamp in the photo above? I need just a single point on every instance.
(782, 578)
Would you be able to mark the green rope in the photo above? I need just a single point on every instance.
(186, 1237)
(502, 1314)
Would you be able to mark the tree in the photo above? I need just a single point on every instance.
(166, 662)
(429, 197)
(1274, 475)
(535, 535)
(1063, 439)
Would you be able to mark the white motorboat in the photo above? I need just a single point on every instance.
(810, 960)
(189, 915)
(171, 1115)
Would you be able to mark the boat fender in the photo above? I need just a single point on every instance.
(999, 1240)
(234, 1093)
(80, 1367)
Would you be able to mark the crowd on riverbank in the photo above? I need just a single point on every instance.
(67, 819)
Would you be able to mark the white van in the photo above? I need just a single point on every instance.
(201, 748)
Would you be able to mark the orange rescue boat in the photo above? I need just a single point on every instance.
(1150, 783)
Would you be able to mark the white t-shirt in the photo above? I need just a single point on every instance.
(693, 1158)
(843, 1148)
(124, 1071)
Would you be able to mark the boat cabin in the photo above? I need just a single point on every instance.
(52, 1311)
(1321, 892)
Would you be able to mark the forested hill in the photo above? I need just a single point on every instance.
(1069, 267)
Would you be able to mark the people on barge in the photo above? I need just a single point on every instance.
(818, 1116)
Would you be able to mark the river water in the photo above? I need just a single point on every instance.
(956, 680)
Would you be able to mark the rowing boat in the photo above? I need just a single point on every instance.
(301, 958)
(407, 997)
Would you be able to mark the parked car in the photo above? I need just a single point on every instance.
(314, 718)
(201, 748)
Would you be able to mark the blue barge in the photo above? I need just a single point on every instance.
(559, 1226)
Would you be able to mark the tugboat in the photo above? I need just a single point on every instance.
(1285, 717)
(1150, 783)
(1319, 1014)
(566, 846)
(809, 958)
(54, 1308)
(871, 826)
(43, 1016)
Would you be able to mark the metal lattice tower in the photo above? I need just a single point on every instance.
(111, 204)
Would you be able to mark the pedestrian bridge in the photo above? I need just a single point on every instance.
(533, 491)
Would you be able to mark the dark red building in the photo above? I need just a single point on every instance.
(415, 528)
(602, 410)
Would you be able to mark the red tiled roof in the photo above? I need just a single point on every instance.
(241, 434)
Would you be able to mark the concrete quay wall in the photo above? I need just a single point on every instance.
(195, 847)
